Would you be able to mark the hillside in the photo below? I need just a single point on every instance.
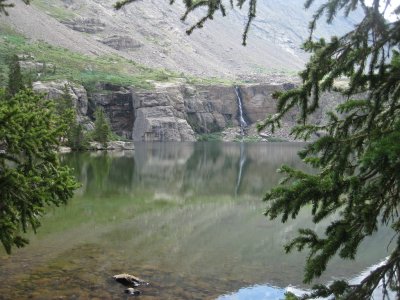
(151, 34)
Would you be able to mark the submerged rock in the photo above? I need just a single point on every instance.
(129, 280)
(113, 145)
(132, 291)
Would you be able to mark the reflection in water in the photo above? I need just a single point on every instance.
(259, 292)
(242, 161)
(186, 217)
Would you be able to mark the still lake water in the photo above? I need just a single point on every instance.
(187, 217)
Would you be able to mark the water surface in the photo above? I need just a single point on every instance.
(185, 217)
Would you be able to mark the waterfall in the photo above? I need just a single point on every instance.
(243, 123)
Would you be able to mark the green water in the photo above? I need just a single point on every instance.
(185, 217)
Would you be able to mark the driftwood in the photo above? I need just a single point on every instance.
(129, 280)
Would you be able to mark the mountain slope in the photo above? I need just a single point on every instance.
(150, 32)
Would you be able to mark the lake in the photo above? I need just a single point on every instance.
(186, 217)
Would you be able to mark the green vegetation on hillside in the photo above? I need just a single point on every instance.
(58, 63)
(52, 9)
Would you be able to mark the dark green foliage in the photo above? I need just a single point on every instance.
(31, 177)
(357, 159)
(102, 130)
(15, 80)
(77, 139)
(67, 113)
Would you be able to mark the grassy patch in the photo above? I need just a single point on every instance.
(257, 138)
(51, 8)
(87, 70)
(209, 137)
(249, 139)
(84, 69)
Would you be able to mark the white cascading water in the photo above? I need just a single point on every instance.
(242, 161)
(242, 121)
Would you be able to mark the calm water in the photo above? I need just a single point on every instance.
(185, 217)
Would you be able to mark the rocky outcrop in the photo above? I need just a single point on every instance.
(121, 42)
(118, 104)
(87, 25)
(36, 67)
(160, 116)
(210, 108)
(55, 90)
(179, 112)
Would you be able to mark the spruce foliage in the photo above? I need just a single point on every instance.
(31, 177)
(102, 130)
(67, 113)
(357, 159)
(77, 139)
(15, 80)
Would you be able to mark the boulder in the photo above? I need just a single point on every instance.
(129, 280)
(132, 291)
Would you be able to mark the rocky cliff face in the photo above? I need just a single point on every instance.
(55, 90)
(177, 112)
(118, 105)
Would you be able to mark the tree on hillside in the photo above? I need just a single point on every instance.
(357, 159)
(31, 177)
(15, 80)
(76, 137)
(67, 114)
(102, 130)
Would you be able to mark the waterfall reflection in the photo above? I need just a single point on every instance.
(181, 170)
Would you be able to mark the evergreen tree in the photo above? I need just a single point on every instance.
(66, 110)
(15, 80)
(357, 160)
(76, 137)
(31, 177)
(102, 129)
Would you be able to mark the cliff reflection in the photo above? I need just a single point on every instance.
(185, 169)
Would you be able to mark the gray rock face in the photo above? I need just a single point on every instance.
(160, 116)
(177, 112)
(118, 105)
(210, 108)
(87, 25)
(55, 90)
(121, 42)
(36, 67)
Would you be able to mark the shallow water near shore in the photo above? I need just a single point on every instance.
(186, 217)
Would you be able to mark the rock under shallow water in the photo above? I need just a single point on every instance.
(113, 145)
(132, 291)
(129, 280)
